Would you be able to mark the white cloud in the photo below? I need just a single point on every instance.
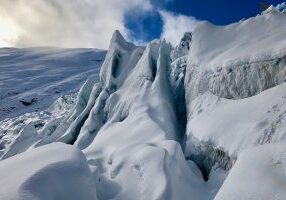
(175, 25)
(65, 23)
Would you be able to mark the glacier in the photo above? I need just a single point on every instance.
(203, 120)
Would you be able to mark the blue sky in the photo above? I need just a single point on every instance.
(148, 26)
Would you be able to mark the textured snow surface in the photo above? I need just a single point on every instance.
(19, 133)
(31, 79)
(164, 123)
(234, 125)
(259, 174)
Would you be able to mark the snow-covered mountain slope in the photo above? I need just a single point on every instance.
(32, 79)
(176, 123)
(222, 46)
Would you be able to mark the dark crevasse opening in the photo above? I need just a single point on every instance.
(153, 68)
(115, 65)
(77, 130)
(100, 117)
(209, 157)
(181, 113)
(205, 155)
(176, 78)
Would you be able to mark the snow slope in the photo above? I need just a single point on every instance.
(235, 125)
(259, 173)
(31, 79)
(168, 123)
(244, 41)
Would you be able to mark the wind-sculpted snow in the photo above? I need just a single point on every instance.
(55, 171)
(171, 123)
(143, 159)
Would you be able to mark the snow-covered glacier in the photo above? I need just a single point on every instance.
(31, 79)
(203, 120)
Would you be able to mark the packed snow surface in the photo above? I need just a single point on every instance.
(56, 171)
(190, 122)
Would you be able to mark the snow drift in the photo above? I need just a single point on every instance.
(55, 171)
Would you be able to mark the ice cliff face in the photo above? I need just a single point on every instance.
(227, 67)
(183, 48)
(171, 123)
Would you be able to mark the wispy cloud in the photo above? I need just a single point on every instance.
(65, 23)
(175, 25)
(81, 23)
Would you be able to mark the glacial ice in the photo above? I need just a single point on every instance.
(190, 122)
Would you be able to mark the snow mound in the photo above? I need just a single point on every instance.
(259, 174)
(55, 171)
